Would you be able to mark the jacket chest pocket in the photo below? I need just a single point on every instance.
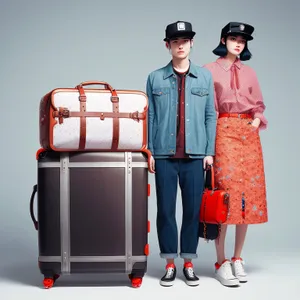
(161, 94)
(199, 93)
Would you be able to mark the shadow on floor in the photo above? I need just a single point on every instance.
(29, 274)
(22, 273)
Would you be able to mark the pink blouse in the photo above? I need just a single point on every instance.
(237, 89)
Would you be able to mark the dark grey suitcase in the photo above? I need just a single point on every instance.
(92, 212)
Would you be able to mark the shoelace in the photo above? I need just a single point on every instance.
(239, 267)
(227, 268)
(170, 272)
(190, 272)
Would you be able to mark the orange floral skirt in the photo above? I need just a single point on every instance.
(239, 169)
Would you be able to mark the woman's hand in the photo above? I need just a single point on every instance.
(256, 122)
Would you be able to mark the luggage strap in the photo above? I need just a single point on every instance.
(63, 113)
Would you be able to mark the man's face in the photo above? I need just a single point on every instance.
(180, 48)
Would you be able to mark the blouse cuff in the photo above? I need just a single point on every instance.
(263, 121)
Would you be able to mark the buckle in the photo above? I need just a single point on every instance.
(61, 113)
(114, 99)
(82, 98)
(136, 116)
(65, 113)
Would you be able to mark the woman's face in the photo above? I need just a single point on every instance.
(235, 44)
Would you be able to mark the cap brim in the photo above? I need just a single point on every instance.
(248, 37)
(188, 35)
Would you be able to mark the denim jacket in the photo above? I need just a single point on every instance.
(200, 114)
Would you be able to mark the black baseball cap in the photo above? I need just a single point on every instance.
(179, 29)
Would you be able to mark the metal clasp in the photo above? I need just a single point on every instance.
(114, 99)
(65, 113)
(61, 114)
(135, 116)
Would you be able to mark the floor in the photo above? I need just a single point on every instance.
(271, 275)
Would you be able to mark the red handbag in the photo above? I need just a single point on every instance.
(215, 202)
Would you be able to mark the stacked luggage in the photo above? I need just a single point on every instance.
(92, 182)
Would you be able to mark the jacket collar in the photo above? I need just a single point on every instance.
(226, 66)
(170, 72)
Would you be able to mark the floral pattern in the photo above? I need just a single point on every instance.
(239, 169)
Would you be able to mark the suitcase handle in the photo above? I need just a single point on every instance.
(35, 223)
(107, 86)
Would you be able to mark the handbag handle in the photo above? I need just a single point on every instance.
(210, 178)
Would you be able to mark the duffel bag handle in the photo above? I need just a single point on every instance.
(106, 85)
(82, 97)
(35, 222)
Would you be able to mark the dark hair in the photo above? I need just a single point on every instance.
(221, 50)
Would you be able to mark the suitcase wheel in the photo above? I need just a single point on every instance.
(49, 282)
(136, 282)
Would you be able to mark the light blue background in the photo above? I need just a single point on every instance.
(50, 44)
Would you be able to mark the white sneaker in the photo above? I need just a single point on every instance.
(224, 274)
(238, 269)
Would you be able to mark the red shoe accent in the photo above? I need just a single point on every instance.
(48, 283)
(171, 265)
(188, 265)
(236, 258)
(136, 282)
(217, 265)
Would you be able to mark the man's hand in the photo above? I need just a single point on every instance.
(208, 160)
(152, 164)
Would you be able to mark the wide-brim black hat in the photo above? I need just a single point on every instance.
(238, 28)
(179, 29)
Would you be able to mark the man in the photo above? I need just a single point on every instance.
(181, 137)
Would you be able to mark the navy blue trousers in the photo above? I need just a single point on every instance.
(190, 174)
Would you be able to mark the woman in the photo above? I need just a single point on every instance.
(239, 166)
